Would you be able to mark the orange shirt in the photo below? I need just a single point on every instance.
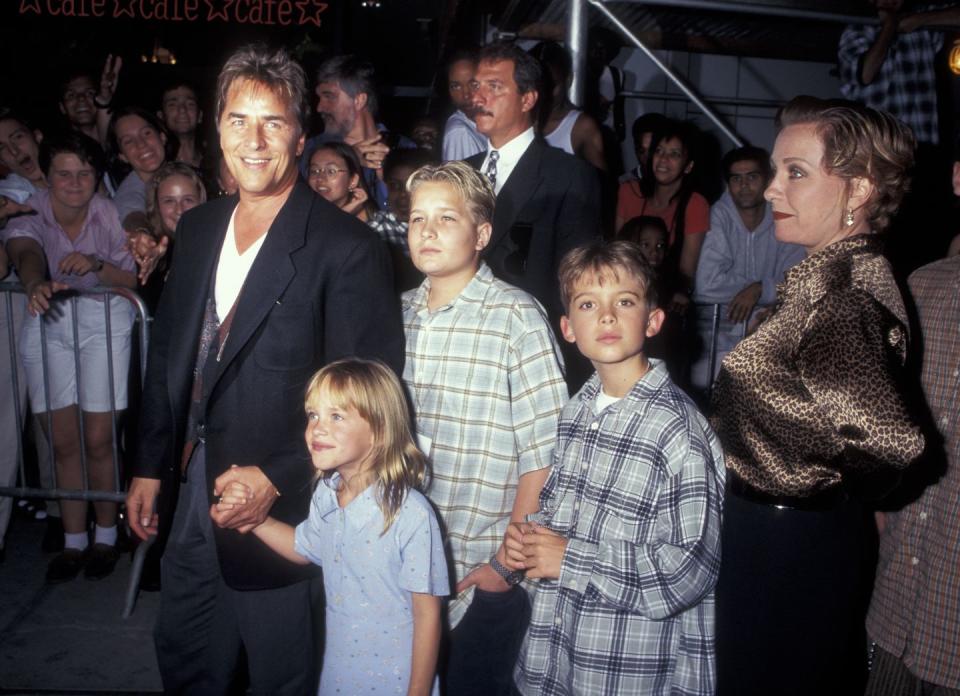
(631, 203)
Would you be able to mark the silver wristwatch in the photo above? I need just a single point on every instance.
(511, 577)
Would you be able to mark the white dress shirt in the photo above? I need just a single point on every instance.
(510, 154)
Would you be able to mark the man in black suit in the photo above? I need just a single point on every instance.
(548, 202)
(263, 291)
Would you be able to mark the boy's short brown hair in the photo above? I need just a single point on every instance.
(606, 259)
(473, 187)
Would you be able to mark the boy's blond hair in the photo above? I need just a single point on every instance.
(605, 260)
(473, 187)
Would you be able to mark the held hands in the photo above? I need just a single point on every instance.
(536, 549)
(234, 496)
(250, 497)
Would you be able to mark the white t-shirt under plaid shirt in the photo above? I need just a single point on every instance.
(486, 379)
(637, 490)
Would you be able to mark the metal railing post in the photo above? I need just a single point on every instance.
(84, 472)
(577, 45)
(111, 379)
(673, 77)
(764, 10)
(712, 364)
(15, 379)
(117, 495)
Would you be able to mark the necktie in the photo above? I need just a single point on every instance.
(492, 168)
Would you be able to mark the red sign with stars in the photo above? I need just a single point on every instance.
(282, 13)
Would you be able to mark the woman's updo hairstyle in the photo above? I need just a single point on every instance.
(859, 141)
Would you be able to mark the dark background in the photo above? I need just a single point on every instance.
(401, 37)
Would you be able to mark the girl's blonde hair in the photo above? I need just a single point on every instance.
(374, 391)
(166, 171)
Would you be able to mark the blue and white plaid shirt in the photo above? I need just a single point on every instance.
(905, 86)
(637, 490)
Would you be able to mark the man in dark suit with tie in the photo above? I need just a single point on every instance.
(264, 290)
(548, 202)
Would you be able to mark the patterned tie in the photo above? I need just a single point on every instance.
(492, 168)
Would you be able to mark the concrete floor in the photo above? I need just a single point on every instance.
(70, 638)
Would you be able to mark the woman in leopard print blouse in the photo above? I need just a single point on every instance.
(811, 414)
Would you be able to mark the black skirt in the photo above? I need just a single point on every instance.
(792, 595)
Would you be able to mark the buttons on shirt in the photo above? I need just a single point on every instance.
(895, 335)
(923, 515)
(914, 561)
(594, 425)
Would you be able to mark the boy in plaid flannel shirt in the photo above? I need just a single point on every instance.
(626, 545)
(484, 372)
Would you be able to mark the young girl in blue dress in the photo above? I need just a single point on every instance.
(375, 536)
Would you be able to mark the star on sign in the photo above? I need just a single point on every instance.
(312, 15)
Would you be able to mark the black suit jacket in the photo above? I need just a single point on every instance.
(549, 205)
(321, 288)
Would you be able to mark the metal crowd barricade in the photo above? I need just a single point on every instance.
(710, 343)
(8, 291)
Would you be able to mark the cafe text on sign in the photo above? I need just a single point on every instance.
(275, 12)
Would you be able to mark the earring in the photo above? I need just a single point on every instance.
(848, 218)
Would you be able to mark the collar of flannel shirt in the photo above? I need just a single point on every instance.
(638, 396)
(470, 300)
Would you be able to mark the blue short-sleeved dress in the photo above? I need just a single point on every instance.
(368, 580)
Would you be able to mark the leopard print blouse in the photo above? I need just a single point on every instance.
(811, 398)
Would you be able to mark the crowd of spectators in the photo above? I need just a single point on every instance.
(741, 326)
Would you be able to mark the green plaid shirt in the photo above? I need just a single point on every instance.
(486, 378)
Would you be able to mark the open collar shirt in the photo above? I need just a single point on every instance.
(486, 378)
(637, 490)
(915, 609)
